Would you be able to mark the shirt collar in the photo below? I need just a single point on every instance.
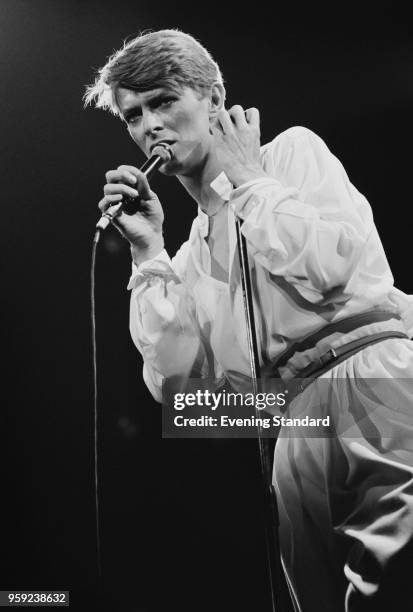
(223, 188)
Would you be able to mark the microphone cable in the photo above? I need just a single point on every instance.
(161, 154)
(95, 403)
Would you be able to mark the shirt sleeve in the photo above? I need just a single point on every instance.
(163, 323)
(306, 221)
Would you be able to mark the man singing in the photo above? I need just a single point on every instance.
(324, 305)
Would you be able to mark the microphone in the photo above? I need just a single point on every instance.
(161, 154)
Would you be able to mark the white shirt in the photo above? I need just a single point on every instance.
(315, 256)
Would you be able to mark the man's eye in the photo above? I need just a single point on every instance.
(133, 119)
(166, 101)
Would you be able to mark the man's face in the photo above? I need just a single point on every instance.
(162, 115)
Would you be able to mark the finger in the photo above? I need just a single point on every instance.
(124, 174)
(225, 121)
(108, 201)
(238, 116)
(217, 132)
(129, 170)
(112, 188)
(253, 117)
(140, 181)
(142, 185)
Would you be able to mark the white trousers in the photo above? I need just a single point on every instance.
(346, 502)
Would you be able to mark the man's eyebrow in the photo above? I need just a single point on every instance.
(151, 100)
(130, 111)
(157, 97)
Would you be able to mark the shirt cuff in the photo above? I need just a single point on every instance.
(160, 265)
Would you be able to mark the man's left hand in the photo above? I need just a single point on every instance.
(237, 137)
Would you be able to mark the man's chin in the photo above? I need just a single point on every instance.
(170, 168)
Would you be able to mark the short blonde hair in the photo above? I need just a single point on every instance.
(163, 58)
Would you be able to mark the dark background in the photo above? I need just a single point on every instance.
(180, 519)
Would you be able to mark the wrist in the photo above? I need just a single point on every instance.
(142, 252)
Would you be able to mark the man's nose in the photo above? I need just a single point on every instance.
(151, 122)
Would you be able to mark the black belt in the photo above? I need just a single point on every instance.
(333, 357)
(344, 326)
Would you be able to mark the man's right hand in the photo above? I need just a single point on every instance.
(143, 229)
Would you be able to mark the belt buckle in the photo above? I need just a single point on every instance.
(328, 356)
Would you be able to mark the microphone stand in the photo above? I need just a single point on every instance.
(280, 600)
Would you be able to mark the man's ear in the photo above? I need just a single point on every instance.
(216, 100)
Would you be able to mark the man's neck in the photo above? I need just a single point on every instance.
(199, 186)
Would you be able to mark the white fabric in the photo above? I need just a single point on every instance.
(316, 255)
(346, 502)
